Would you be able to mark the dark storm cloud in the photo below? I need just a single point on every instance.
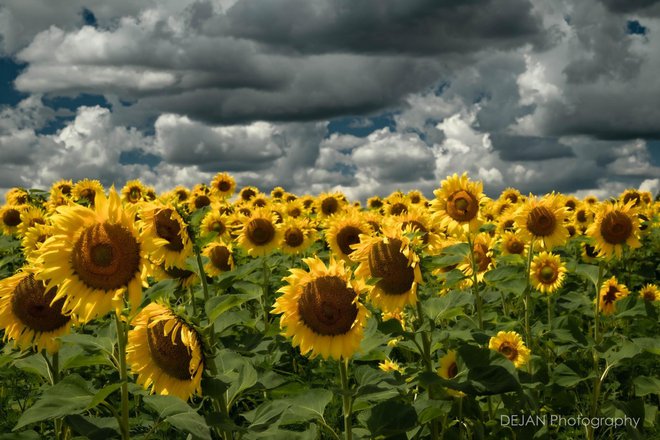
(517, 148)
(651, 7)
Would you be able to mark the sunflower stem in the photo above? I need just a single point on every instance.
(265, 287)
(475, 283)
(122, 336)
(54, 371)
(428, 362)
(550, 306)
(528, 299)
(598, 381)
(346, 399)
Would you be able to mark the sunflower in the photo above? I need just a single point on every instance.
(95, 257)
(278, 193)
(180, 194)
(590, 200)
(390, 259)
(482, 247)
(610, 292)
(56, 199)
(511, 195)
(214, 222)
(396, 204)
(297, 235)
(259, 201)
(220, 255)
(571, 202)
(33, 238)
(29, 315)
(420, 222)
(389, 366)
(589, 253)
(547, 272)
(223, 185)
(17, 196)
(321, 310)
(416, 197)
(260, 234)
(511, 243)
(133, 191)
(542, 220)
(247, 193)
(200, 197)
(63, 186)
(374, 202)
(614, 226)
(294, 208)
(506, 222)
(165, 352)
(650, 293)
(511, 345)
(343, 231)
(86, 191)
(449, 370)
(165, 235)
(329, 204)
(457, 202)
(631, 195)
(30, 217)
(10, 218)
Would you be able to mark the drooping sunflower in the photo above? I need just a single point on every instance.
(86, 191)
(343, 231)
(511, 243)
(95, 257)
(214, 222)
(10, 218)
(457, 203)
(329, 204)
(150, 194)
(133, 191)
(449, 370)
(17, 196)
(547, 272)
(30, 315)
(223, 185)
(220, 255)
(650, 292)
(614, 226)
(542, 220)
(165, 352)
(260, 234)
(165, 235)
(390, 259)
(297, 235)
(511, 345)
(611, 292)
(321, 310)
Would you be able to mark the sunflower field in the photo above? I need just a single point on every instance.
(211, 313)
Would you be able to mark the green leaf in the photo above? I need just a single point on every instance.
(504, 273)
(34, 364)
(89, 342)
(566, 377)
(218, 305)
(94, 428)
(177, 413)
(162, 289)
(25, 435)
(588, 271)
(72, 395)
(307, 406)
(448, 306)
(237, 371)
(265, 413)
(103, 393)
(390, 418)
(645, 385)
(625, 350)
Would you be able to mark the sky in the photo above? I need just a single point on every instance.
(364, 97)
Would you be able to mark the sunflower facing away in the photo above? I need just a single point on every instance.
(389, 259)
(260, 234)
(611, 292)
(457, 202)
(547, 272)
(321, 310)
(165, 353)
(95, 258)
(542, 220)
(511, 345)
(614, 226)
(28, 314)
(164, 234)
(449, 370)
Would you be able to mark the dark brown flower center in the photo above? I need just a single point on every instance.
(515, 246)
(11, 217)
(259, 202)
(590, 251)
(581, 216)
(541, 221)
(610, 296)
(134, 195)
(169, 353)
(219, 227)
(398, 208)
(224, 186)
(548, 274)
(65, 188)
(277, 194)
(570, 204)
(462, 206)
(106, 256)
(481, 257)
(415, 199)
(178, 273)
(571, 230)
(248, 193)
(632, 196)
(327, 306)
(375, 203)
(616, 227)
(260, 231)
(509, 351)
(202, 201)
(452, 370)
(89, 195)
(182, 195)
(329, 206)
(294, 237)
(347, 236)
(512, 197)
(169, 229)
(31, 304)
(219, 256)
(648, 295)
(387, 262)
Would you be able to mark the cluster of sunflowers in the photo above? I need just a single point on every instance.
(88, 253)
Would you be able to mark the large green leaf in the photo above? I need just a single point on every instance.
(307, 406)
(390, 418)
(645, 385)
(94, 428)
(237, 371)
(564, 376)
(177, 413)
(218, 305)
(447, 306)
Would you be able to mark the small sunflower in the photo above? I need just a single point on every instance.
(506, 222)
(10, 218)
(482, 247)
(449, 370)
(247, 193)
(650, 293)
(200, 197)
(374, 202)
(614, 226)
(30, 315)
(165, 352)
(30, 217)
(165, 235)
(329, 204)
(278, 193)
(571, 203)
(611, 292)
(457, 202)
(214, 222)
(221, 259)
(396, 204)
(95, 257)
(33, 238)
(86, 191)
(511, 195)
(390, 366)
(294, 208)
(547, 272)
(133, 191)
(260, 234)
(583, 216)
(297, 235)
(17, 196)
(389, 259)
(181, 194)
(223, 185)
(321, 310)
(419, 221)
(511, 345)
(344, 231)
(415, 197)
(542, 220)
(631, 195)
(591, 200)
(511, 244)
(65, 187)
